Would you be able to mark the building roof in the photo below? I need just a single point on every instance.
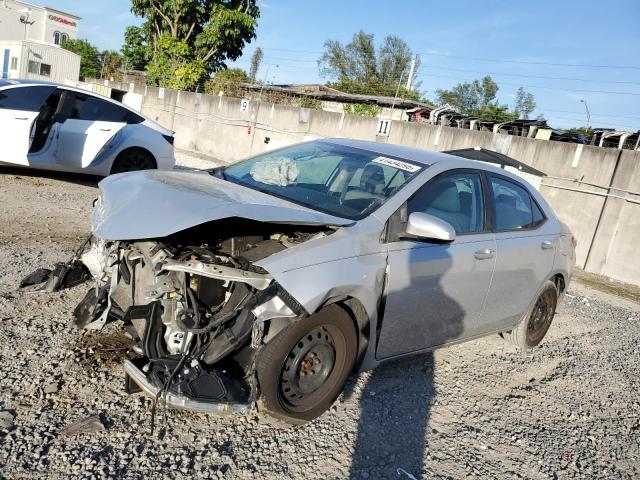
(322, 92)
(51, 9)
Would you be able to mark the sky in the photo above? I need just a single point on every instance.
(561, 51)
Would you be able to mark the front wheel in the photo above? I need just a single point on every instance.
(534, 326)
(304, 368)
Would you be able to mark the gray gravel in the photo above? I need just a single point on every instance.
(568, 409)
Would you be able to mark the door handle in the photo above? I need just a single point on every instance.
(546, 245)
(105, 129)
(21, 118)
(485, 254)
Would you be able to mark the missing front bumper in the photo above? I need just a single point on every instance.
(171, 399)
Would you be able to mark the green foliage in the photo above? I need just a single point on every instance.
(364, 109)
(357, 68)
(112, 63)
(134, 50)
(256, 59)
(310, 102)
(469, 98)
(89, 57)
(524, 105)
(478, 98)
(227, 82)
(495, 111)
(587, 132)
(182, 42)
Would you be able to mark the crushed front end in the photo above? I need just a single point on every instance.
(197, 311)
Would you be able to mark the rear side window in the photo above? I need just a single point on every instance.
(86, 107)
(514, 207)
(25, 98)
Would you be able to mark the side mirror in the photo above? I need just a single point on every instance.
(427, 227)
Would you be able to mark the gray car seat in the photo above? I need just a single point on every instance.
(442, 200)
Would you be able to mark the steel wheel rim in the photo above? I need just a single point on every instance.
(307, 366)
(541, 316)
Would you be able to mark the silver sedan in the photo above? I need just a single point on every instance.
(275, 278)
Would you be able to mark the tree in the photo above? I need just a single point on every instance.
(357, 68)
(134, 49)
(495, 111)
(89, 57)
(187, 40)
(111, 65)
(256, 59)
(226, 81)
(470, 98)
(525, 104)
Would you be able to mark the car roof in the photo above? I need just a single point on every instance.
(21, 82)
(417, 155)
(424, 157)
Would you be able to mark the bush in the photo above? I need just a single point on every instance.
(364, 109)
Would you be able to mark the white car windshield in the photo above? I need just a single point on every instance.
(343, 181)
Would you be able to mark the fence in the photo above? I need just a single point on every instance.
(596, 191)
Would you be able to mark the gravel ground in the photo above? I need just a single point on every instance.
(568, 409)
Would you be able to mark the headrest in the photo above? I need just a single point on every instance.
(445, 197)
(372, 178)
(506, 200)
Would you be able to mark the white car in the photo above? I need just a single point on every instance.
(56, 127)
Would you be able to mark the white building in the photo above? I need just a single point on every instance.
(30, 38)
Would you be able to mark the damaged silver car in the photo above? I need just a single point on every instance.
(271, 280)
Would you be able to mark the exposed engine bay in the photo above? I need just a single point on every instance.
(194, 303)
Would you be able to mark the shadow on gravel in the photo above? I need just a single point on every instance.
(392, 429)
(78, 179)
(421, 311)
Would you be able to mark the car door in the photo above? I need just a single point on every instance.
(19, 107)
(435, 292)
(89, 125)
(526, 249)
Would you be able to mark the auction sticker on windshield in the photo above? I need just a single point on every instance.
(399, 164)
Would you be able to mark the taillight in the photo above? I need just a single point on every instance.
(574, 242)
(168, 138)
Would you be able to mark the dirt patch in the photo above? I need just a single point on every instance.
(99, 351)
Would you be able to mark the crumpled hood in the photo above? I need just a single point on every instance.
(153, 204)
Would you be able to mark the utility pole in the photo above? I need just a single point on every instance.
(412, 71)
(588, 114)
(393, 105)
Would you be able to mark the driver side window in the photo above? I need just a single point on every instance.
(456, 198)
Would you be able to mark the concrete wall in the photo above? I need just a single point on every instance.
(590, 188)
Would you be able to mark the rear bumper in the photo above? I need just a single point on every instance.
(183, 402)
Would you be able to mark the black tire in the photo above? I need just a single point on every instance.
(133, 160)
(304, 368)
(535, 324)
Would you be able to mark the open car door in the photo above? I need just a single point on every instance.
(19, 107)
(90, 124)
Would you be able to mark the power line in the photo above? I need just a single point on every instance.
(485, 59)
(550, 88)
(554, 64)
(427, 67)
(483, 72)
(593, 114)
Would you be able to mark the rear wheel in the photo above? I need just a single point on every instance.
(303, 369)
(132, 160)
(535, 325)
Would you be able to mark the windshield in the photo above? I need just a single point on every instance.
(343, 181)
